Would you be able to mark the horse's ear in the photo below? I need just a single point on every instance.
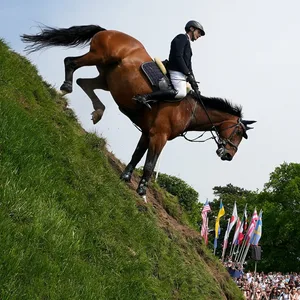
(247, 122)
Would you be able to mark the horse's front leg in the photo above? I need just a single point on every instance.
(89, 85)
(139, 152)
(156, 144)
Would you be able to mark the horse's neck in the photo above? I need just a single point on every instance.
(203, 120)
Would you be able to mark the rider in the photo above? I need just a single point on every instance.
(180, 66)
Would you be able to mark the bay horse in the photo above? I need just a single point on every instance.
(118, 58)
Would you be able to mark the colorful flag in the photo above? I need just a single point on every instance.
(217, 226)
(237, 231)
(225, 241)
(243, 226)
(257, 231)
(233, 218)
(251, 226)
(204, 228)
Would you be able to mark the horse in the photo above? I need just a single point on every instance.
(118, 58)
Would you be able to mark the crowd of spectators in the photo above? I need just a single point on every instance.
(261, 286)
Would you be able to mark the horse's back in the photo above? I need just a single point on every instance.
(116, 45)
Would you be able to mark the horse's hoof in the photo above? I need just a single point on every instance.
(126, 177)
(141, 190)
(62, 93)
(97, 115)
(66, 87)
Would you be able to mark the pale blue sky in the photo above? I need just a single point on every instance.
(250, 55)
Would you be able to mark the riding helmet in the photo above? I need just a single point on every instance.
(196, 25)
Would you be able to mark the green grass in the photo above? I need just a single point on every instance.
(69, 228)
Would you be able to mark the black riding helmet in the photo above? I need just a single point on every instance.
(194, 24)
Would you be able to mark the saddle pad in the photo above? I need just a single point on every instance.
(153, 72)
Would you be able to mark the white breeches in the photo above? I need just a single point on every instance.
(178, 80)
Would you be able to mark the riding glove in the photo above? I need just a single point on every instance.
(191, 79)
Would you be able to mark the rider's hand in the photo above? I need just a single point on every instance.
(191, 79)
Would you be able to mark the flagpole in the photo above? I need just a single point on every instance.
(251, 235)
(225, 241)
(245, 240)
(242, 250)
(254, 286)
(236, 254)
(232, 250)
(245, 253)
(237, 230)
(206, 241)
(204, 227)
(241, 226)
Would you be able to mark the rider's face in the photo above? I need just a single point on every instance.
(196, 34)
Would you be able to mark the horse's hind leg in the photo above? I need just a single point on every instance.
(74, 63)
(70, 68)
(89, 85)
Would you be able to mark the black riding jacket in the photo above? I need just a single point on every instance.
(180, 58)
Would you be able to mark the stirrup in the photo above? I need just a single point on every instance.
(142, 100)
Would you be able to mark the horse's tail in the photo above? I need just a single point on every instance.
(68, 37)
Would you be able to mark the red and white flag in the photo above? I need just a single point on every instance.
(204, 227)
(233, 218)
(237, 231)
(251, 226)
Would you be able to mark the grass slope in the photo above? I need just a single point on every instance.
(69, 228)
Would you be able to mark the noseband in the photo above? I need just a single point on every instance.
(222, 142)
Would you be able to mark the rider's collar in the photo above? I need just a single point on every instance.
(189, 38)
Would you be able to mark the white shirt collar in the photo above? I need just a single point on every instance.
(189, 38)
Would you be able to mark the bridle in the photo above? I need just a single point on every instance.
(221, 142)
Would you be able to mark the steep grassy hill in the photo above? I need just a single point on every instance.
(69, 228)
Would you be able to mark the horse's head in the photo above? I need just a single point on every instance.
(230, 135)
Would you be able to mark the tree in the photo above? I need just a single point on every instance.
(187, 196)
(281, 220)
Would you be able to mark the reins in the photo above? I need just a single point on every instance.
(220, 142)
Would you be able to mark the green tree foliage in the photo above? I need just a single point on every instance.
(280, 203)
(281, 219)
(187, 196)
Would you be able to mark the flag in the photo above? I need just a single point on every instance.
(237, 231)
(217, 226)
(204, 228)
(251, 226)
(225, 240)
(243, 226)
(233, 218)
(257, 231)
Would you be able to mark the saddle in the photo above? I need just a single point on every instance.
(157, 73)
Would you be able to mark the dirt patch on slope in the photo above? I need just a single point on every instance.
(167, 222)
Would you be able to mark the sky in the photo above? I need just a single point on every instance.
(249, 55)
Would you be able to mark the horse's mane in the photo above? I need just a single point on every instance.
(222, 105)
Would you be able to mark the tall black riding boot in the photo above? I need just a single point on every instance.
(157, 95)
